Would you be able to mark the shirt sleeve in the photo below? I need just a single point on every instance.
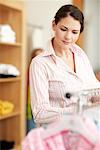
(42, 111)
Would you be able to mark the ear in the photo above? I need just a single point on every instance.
(53, 25)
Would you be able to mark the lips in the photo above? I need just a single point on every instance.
(66, 42)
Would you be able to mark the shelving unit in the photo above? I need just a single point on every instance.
(10, 79)
(12, 125)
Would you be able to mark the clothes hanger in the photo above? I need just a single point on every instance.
(83, 94)
(70, 122)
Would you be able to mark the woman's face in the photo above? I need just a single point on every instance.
(66, 31)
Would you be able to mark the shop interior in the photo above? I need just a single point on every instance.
(25, 25)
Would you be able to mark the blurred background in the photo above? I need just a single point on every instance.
(25, 25)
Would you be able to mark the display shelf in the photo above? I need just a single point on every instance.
(14, 79)
(16, 5)
(13, 114)
(12, 89)
(17, 147)
(10, 44)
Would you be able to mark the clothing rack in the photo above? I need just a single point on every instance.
(86, 98)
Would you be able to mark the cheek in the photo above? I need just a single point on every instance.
(75, 37)
(59, 34)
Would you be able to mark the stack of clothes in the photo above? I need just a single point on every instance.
(7, 34)
(8, 70)
(6, 107)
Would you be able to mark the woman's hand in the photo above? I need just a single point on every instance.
(95, 100)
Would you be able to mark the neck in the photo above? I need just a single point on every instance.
(60, 51)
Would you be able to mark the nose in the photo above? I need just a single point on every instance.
(68, 35)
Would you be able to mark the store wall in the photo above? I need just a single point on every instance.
(92, 32)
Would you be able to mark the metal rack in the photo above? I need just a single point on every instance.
(86, 99)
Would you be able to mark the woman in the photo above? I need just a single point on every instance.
(62, 67)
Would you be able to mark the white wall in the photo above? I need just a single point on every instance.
(99, 37)
(41, 13)
(92, 32)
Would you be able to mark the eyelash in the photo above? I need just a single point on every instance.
(63, 29)
(75, 33)
(66, 30)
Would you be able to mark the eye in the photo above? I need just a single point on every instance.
(63, 29)
(74, 32)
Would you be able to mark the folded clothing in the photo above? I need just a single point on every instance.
(7, 34)
(7, 39)
(6, 145)
(8, 69)
(6, 107)
(6, 29)
(7, 75)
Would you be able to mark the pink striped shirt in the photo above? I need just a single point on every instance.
(51, 78)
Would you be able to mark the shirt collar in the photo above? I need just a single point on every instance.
(50, 50)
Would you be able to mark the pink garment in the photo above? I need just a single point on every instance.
(97, 145)
(33, 140)
(65, 140)
(51, 78)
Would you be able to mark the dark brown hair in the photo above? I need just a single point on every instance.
(71, 10)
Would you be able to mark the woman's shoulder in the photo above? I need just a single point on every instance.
(39, 59)
(78, 50)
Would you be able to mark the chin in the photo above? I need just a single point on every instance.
(66, 46)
